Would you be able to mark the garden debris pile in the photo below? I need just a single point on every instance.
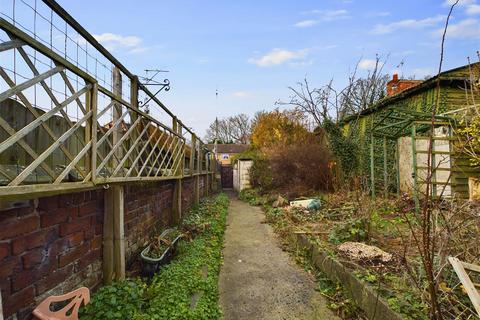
(362, 252)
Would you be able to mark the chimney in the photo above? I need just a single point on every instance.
(396, 85)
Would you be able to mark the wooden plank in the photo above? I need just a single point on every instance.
(154, 149)
(38, 121)
(42, 190)
(192, 154)
(40, 47)
(169, 139)
(168, 155)
(47, 152)
(119, 232)
(12, 44)
(85, 34)
(73, 163)
(108, 235)
(29, 83)
(132, 148)
(5, 126)
(36, 114)
(470, 266)
(469, 287)
(117, 145)
(109, 131)
(94, 126)
(135, 179)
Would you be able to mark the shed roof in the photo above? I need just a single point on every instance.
(445, 77)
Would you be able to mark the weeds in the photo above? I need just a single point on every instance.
(169, 295)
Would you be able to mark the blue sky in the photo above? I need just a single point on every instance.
(253, 50)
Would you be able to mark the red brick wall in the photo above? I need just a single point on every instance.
(53, 245)
(147, 208)
(188, 196)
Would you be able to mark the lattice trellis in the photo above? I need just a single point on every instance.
(61, 129)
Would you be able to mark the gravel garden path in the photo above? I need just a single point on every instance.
(260, 281)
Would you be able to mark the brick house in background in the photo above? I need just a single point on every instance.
(396, 85)
(225, 152)
(224, 156)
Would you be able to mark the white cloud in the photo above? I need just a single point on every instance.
(465, 29)
(448, 3)
(407, 24)
(306, 23)
(367, 64)
(421, 73)
(379, 14)
(113, 42)
(329, 15)
(330, 46)
(473, 9)
(242, 94)
(404, 53)
(138, 50)
(279, 56)
(301, 64)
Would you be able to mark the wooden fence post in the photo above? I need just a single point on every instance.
(197, 176)
(207, 176)
(119, 234)
(114, 235)
(108, 238)
(177, 191)
(93, 126)
(192, 154)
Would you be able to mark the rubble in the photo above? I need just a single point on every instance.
(364, 253)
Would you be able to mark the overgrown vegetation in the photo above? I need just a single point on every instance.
(386, 224)
(288, 156)
(187, 288)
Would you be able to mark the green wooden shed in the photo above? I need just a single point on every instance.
(393, 136)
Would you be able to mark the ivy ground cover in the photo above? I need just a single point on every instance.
(187, 288)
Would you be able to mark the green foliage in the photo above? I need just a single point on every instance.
(252, 197)
(121, 300)
(470, 136)
(261, 174)
(345, 149)
(353, 230)
(251, 153)
(169, 294)
(410, 305)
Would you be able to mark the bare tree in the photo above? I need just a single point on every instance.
(328, 103)
(362, 93)
(240, 125)
(234, 129)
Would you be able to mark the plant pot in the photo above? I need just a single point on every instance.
(151, 265)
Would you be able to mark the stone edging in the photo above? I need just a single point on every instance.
(376, 308)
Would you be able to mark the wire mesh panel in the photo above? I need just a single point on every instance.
(45, 119)
(71, 116)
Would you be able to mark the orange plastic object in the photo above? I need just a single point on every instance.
(69, 312)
